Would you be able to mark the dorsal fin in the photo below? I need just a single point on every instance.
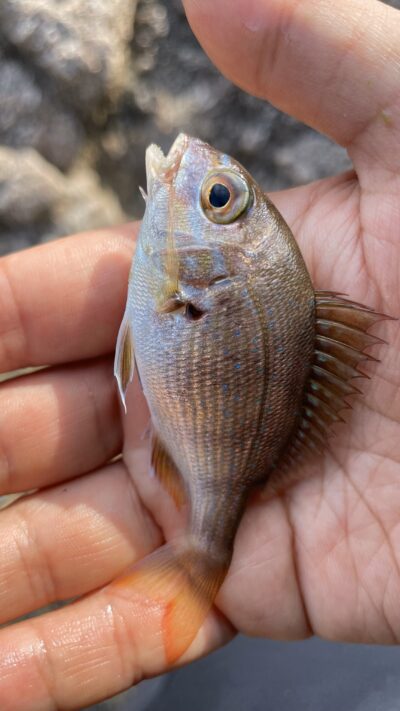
(166, 471)
(340, 339)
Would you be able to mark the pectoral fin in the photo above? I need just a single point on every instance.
(124, 363)
(166, 471)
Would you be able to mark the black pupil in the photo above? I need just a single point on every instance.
(219, 195)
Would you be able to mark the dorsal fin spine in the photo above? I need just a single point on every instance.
(340, 339)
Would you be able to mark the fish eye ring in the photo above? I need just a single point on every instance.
(225, 195)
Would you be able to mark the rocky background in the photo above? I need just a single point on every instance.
(86, 85)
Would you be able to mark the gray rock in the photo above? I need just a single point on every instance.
(309, 157)
(29, 118)
(29, 186)
(33, 192)
(86, 204)
(83, 46)
(89, 85)
(176, 88)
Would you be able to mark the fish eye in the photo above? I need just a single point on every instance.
(225, 195)
(219, 195)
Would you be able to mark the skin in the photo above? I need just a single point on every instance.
(323, 558)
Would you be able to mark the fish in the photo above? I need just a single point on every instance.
(244, 365)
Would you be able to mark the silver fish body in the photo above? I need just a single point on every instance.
(243, 365)
(224, 385)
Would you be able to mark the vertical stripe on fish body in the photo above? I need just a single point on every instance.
(241, 363)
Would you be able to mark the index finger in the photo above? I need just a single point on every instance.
(63, 301)
(333, 65)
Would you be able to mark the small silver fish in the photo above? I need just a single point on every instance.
(243, 365)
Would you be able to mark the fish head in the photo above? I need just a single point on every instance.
(199, 195)
(203, 220)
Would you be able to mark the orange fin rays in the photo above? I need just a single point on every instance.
(183, 584)
(166, 471)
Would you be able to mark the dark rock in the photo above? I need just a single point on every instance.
(81, 46)
(176, 88)
(87, 86)
(30, 119)
(34, 193)
(29, 187)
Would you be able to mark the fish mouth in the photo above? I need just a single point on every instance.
(164, 167)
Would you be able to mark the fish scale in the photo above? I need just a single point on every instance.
(244, 366)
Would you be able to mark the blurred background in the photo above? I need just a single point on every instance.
(85, 86)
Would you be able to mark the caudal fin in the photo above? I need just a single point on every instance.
(183, 583)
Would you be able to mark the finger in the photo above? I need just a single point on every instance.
(63, 300)
(66, 541)
(57, 423)
(89, 651)
(333, 65)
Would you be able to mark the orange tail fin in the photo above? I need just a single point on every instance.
(183, 583)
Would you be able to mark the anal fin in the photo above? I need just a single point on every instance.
(167, 472)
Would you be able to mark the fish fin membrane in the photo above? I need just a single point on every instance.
(124, 361)
(177, 588)
(167, 472)
(341, 337)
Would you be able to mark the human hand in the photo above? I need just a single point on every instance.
(322, 558)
